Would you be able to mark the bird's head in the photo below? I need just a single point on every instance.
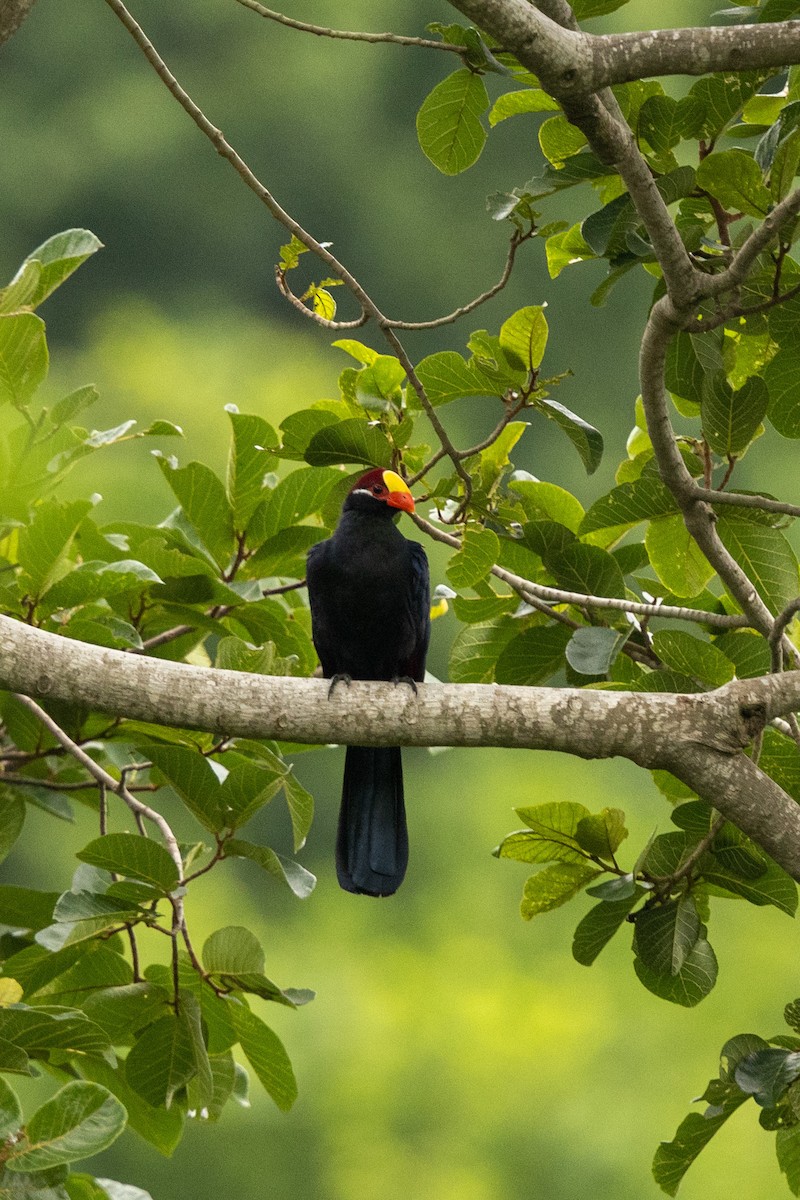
(380, 488)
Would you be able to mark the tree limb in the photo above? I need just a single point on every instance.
(396, 39)
(697, 737)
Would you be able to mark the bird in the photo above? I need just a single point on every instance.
(369, 592)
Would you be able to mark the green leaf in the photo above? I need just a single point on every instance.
(766, 1074)
(693, 982)
(690, 655)
(23, 357)
(558, 139)
(45, 544)
(601, 834)
(134, 856)
(713, 101)
(782, 377)
(10, 1111)
(300, 803)
(233, 951)
(623, 507)
(247, 788)
(193, 778)
(357, 350)
(773, 887)
(480, 549)
(351, 441)
(565, 248)
(285, 870)
(592, 649)
(122, 1011)
(749, 654)
(554, 886)
(589, 570)
(266, 1055)
(26, 908)
(765, 556)
(80, 1120)
(787, 1149)
(673, 1159)
(294, 498)
(533, 655)
(12, 818)
(599, 926)
(584, 9)
(248, 462)
(660, 123)
(59, 256)
(676, 558)
(547, 500)
(585, 438)
(202, 497)
(446, 376)
(551, 834)
(449, 122)
(666, 934)
(780, 759)
(732, 419)
(162, 1060)
(162, 1128)
(524, 336)
(734, 178)
(475, 651)
(529, 100)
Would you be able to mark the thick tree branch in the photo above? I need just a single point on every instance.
(699, 737)
(574, 63)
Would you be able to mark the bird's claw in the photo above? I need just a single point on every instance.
(339, 677)
(412, 683)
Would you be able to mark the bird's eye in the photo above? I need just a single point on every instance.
(376, 487)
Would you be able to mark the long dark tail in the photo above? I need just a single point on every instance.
(372, 842)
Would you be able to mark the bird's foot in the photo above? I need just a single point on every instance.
(412, 683)
(339, 677)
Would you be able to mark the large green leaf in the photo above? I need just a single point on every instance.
(587, 440)
(599, 926)
(673, 1159)
(266, 1055)
(286, 870)
(731, 418)
(625, 506)
(202, 497)
(296, 497)
(162, 1128)
(533, 655)
(135, 856)
(80, 1120)
(162, 1060)
(12, 819)
(734, 178)
(782, 377)
(676, 558)
(10, 1111)
(193, 778)
(690, 655)
(449, 122)
(446, 376)
(45, 544)
(694, 980)
(233, 951)
(554, 886)
(475, 651)
(248, 462)
(59, 256)
(765, 556)
(480, 549)
(666, 934)
(23, 357)
(351, 441)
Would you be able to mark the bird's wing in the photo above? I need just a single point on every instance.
(320, 631)
(420, 607)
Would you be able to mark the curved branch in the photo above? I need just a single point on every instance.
(396, 39)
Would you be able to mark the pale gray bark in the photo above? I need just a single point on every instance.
(699, 737)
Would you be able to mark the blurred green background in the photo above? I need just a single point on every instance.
(453, 1051)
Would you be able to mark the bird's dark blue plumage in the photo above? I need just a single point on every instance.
(369, 592)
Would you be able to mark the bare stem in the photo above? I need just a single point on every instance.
(395, 39)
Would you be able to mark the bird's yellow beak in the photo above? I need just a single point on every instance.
(399, 493)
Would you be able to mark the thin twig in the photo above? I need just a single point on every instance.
(782, 621)
(667, 882)
(396, 39)
(741, 500)
(550, 595)
(516, 241)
